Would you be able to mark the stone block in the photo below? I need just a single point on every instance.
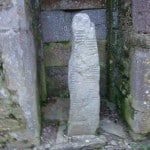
(71, 4)
(83, 78)
(56, 25)
(141, 15)
(141, 5)
(57, 81)
(62, 107)
(138, 104)
(57, 54)
(19, 66)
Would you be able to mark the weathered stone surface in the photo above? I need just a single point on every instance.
(57, 54)
(11, 114)
(141, 5)
(110, 127)
(76, 143)
(140, 40)
(19, 67)
(56, 25)
(71, 4)
(138, 104)
(141, 15)
(83, 78)
(62, 107)
(17, 12)
(56, 80)
(5, 4)
(18, 95)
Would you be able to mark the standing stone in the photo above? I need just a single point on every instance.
(83, 78)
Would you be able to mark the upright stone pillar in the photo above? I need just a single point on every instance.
(83, 78)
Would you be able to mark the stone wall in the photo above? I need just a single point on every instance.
(140, 67)
(128, 46)
(126, 59)
(19, 122)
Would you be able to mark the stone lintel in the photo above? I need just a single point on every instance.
(72, 4)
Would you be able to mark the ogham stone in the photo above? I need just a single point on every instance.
(83, 78)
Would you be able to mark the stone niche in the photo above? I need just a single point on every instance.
(56, 20)
(56, 25)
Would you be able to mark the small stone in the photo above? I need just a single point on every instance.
(147, 92)
(109, 147)
(103, 139)
(114, 143)
(47, 145)
(87, 141)
(120, 143)
(4, 93)
(136, 136)
(112, 128)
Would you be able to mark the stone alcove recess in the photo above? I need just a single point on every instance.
(123, 45)
(56, 22)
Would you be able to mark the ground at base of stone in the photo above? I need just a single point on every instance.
(112, 135)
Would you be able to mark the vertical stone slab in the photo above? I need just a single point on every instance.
(18, 88)
(137, 109)
(83, 78)
(138, 105)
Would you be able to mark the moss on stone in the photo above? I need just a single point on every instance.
(119, 58)
(128, 110)
(43, 84)
(55, 89)
(57, 54)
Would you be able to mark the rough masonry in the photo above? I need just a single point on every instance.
(139, 101)
(83, 78)
(129, 57)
